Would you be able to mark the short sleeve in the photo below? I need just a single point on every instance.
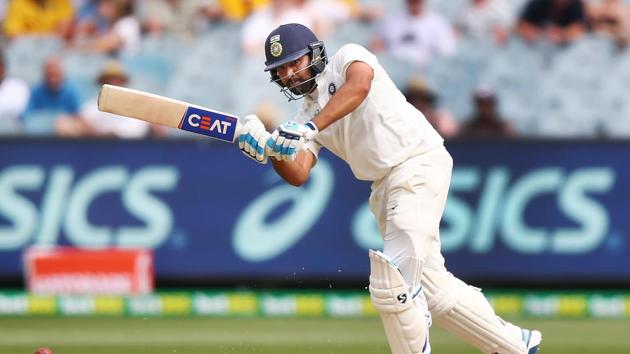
(350, 53)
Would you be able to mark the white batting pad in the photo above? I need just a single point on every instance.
(464, 311)
(405, 322)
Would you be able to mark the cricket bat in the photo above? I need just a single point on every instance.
(169, 112)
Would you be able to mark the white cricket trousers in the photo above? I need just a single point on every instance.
(408, 205)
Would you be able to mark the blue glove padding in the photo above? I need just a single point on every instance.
(289, 139)
(253, 139)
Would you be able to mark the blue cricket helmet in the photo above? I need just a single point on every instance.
(290, 42)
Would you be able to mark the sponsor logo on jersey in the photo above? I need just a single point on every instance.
(211, 123)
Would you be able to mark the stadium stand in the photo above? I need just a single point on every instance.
(26, 55)
(541, 88)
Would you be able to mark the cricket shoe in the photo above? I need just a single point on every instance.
(532, 339)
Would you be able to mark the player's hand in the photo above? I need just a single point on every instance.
(253, 139)
(289, 139)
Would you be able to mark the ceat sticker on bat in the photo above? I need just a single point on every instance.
(211, 123)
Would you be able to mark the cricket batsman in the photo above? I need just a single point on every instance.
(353, 108)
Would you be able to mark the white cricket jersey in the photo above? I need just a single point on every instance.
(384, 131)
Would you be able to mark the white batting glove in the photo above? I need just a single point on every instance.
(289, 139)
(253, 139)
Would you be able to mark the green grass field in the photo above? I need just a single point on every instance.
(272, 336)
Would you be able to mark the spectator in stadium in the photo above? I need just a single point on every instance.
(610, 17)
(88, 21)
(3, 10)
(122, 34)
(323, 16)
(425, 100)
(14, 94)
(558, 21)
(330, 14)
(486, 120)
(266, 18)
(39, 17)
(184, 19)
(52, 99)
(417, 35)
(239, 10)
(482, 19)
(365, 12)
(91, 122)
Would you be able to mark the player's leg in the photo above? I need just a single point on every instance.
(407, 205)
(464, 311)
(454, 305)
(404, 313)
(395, 283)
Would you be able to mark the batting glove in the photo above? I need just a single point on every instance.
(253, 139)
(289, 138)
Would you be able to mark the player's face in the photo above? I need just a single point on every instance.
(296, 75)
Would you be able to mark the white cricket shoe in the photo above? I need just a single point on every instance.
(532, 339)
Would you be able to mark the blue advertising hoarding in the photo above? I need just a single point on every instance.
(520, 211)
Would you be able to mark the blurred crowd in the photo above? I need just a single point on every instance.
(410, 31)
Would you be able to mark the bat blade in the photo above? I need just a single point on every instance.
(168, 112)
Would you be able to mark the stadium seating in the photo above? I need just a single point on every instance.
(578, 90)
(26, 55)
(148, 72)
(9, 127)
(205, 72)
(350, 32)
(40, 123)
(82, 69)
(454, 79)
(615, 112)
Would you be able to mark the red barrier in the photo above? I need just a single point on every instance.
(68, 270)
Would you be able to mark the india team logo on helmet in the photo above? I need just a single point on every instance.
(275, 47)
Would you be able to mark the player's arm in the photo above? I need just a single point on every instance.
(359, 77)
(254, 139)
(296, 172)
(290, 137)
